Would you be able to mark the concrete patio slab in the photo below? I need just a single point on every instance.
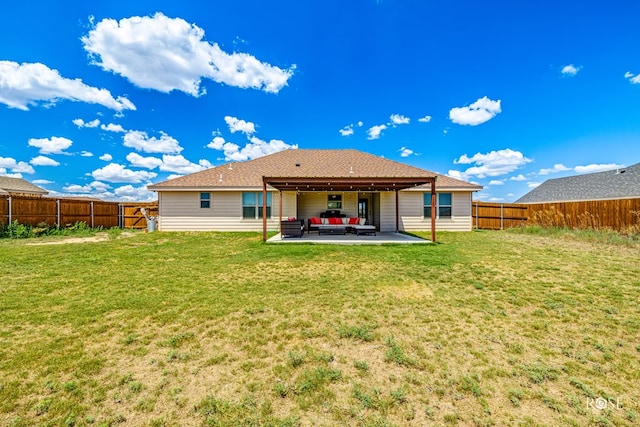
(351, 239)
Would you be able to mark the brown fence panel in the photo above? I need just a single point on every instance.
(497, 216)
(4, 210)
(34, 210)
(132, 215)
(618, 214)
(105, 214)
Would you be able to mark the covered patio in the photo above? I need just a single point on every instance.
(348, 184)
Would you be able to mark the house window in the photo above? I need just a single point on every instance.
(334, 201)
(252, 205)
(205, 200)
(444, 201)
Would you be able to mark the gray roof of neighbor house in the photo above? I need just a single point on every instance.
(297, 163)
(18, 185)
(620, 183)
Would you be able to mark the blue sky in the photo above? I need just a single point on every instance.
(102, 98)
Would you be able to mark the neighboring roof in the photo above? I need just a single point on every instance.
(297, 163)
(621, 183)
(18, 185)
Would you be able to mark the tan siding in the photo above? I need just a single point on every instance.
(387, 211)
(180, 211)
(411, 213)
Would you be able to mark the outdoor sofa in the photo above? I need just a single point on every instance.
(337, 225)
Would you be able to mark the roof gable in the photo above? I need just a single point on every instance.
(297, 163)
(614, 184)
(18, 185)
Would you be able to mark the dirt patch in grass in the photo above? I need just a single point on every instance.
(98, 237)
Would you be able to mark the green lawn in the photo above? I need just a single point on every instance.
(484, 328)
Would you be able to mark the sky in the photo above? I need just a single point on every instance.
(101, 99)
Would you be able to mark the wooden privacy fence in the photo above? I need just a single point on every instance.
(498, 216)
(61, 212)
(621, 214)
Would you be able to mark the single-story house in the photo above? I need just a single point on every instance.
(622, 183)
(255, 195)
(19, 187)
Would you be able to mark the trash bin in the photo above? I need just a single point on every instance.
(151, 225)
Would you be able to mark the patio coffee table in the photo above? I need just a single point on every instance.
(331, 229)
(365, 229)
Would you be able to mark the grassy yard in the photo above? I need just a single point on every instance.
(159, 329)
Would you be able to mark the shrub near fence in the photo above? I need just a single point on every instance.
(61, 212)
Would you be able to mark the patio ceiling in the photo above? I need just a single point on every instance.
(346, 184)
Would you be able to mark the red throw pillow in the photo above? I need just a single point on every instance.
(336, 221)
(354, 221)
(315, 221)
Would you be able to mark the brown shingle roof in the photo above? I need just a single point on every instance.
(19, 185)
(305, 164)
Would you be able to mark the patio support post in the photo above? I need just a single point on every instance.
(280, 210)
(433, 210)
(264, 210)
(397, 213)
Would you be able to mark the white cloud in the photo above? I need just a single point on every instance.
(533, 184)
(168, 54)
(570, 70)
(405, 152)
(398, 119)
(558, 167)
(16, 167)
(179, 164)
(43, 161)
(3, 172)
(238, 125)
(140, 141)
(143, 162)
(254, 149)
(114, 172)
(597, 167)
(635, 79)
(519, 177)
(93, 187)
(496, 182)
(42, 181)
(496, 199)
(82, 124)
(481, 111)
(347, 130)
(216, 143)
(129, 193)
(360, 124)
(106, 157)
(53, 145)
(494, 163)
(425, 119)
(86, 154)
(112, 128)
(22, 85)
(375, 131)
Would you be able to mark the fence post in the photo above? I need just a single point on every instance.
(477, 227)
(501, 216)
(120, 221)
(9, 210)
(92, 226)
(58, 212)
